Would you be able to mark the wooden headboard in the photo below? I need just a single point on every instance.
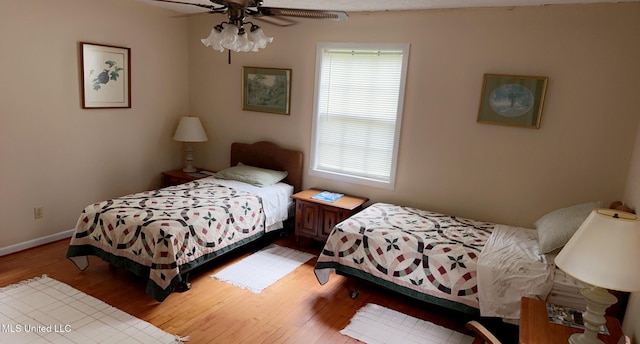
(269, 155)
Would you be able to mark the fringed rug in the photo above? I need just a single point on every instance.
(43, 310)
(374, 324)
(263, 268)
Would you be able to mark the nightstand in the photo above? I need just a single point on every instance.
(315, 218)
(175, 177)
(535, 327)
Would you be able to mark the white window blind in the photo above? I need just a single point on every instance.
(358, 107)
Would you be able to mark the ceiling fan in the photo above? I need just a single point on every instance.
(231, 34)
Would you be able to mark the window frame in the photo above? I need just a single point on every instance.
(348, 178)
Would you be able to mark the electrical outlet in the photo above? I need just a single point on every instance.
(37, 213)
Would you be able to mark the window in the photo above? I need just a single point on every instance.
(357, 112)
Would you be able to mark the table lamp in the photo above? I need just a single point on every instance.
(604, 253)
(190, 130)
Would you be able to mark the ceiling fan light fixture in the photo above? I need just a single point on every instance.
(234, 37)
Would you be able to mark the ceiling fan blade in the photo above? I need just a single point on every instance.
(293, 12)
(276, 20)
(214, 9)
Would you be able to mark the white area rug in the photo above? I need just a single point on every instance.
(43, 310)
(263, 268)
(376, 324)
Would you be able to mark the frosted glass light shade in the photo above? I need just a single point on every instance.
(214, 40)
(242, 44)
(190, 130)
(605, 251)
(260, 39)
(229, 35)
(232, 37)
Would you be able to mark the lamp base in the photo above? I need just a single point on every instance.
(598, 300)
(579, 338)
(188, 148)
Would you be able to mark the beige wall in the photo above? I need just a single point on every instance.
(54, 154)
(447, 161)
(631, 324)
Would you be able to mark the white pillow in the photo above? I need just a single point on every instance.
(252, 175)
(557, 227)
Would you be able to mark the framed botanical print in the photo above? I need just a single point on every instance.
(106, 76)
(512, 100)
(266, 90)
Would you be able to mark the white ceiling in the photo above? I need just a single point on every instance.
(380, 5)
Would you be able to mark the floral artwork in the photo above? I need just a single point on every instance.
(110, 73)
(105, 76)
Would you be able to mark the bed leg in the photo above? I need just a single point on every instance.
(354, 293)
(184, 285)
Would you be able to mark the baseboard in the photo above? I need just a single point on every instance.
(35, 242)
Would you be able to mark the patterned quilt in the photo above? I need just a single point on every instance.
(422, 254)
(157, 234)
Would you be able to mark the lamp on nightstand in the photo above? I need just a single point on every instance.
(190, 130)
(604, 252)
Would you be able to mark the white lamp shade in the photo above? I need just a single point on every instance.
(605, 251)
(190, 130)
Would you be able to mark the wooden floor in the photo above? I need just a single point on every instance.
(297, 309)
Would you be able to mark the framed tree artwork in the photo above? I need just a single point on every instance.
(266, 90)
(106, 76)
(514, 100)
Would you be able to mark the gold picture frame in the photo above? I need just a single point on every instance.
(514, 100)
(266, 90)
(106, 76)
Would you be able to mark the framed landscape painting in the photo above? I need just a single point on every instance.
(106, 76)
(266, 90)
(512, 100)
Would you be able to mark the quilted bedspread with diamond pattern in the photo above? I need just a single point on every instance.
(157, 234)
(423, 254)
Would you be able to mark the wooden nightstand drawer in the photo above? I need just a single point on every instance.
(307, 218)
(331, 217)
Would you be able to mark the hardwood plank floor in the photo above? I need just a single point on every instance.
(297, 309)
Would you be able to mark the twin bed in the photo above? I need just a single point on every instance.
(163, 234)
(471, 266)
